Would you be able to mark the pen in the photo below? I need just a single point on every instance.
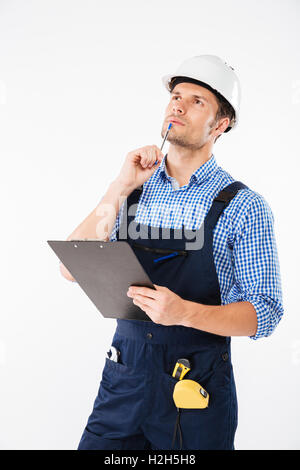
(166, 135)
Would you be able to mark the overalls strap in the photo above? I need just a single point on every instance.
(134, 197)
(221, 201)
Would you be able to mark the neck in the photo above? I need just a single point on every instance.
(182, 162)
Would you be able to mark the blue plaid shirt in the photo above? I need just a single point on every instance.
(244, 245)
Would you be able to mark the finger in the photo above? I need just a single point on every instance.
(138, 155)
(152, 157)
(146, 301)
(149, 155)
(146, 291)
(159, 155)
(139, 304)
(151, 314)
(159, 288)
(143, 160)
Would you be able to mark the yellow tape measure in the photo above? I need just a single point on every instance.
(181, 368)
(188, 393)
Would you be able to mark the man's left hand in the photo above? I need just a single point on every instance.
(160, 304)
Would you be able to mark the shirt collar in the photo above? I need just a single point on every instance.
(204, 172)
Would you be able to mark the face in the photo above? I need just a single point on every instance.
(196, 108)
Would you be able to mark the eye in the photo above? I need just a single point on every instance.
(198, 101)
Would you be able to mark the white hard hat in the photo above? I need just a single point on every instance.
(215, 73)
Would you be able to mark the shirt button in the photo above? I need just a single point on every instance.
(149, 335)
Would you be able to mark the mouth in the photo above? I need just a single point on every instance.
(174, 121)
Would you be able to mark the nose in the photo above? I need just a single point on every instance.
(178, 108)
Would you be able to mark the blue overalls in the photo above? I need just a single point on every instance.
(134, 408)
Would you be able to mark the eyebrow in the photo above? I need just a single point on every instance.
(195, 96)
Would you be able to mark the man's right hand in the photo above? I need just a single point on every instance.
(139, 166)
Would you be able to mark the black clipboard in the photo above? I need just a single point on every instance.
(104, 271)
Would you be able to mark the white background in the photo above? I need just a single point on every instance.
(80, 86)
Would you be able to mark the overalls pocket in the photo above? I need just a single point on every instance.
(211, 368)
(120, 385)
(206, 428)
(164, 266)
(117, 367)
(124, 373)
(115, 373)
(165, 254)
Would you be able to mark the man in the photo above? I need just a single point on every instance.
(225, 283)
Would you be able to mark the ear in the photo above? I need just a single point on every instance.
(222, 126)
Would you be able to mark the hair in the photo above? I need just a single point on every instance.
(224, 110)
(224, 107)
